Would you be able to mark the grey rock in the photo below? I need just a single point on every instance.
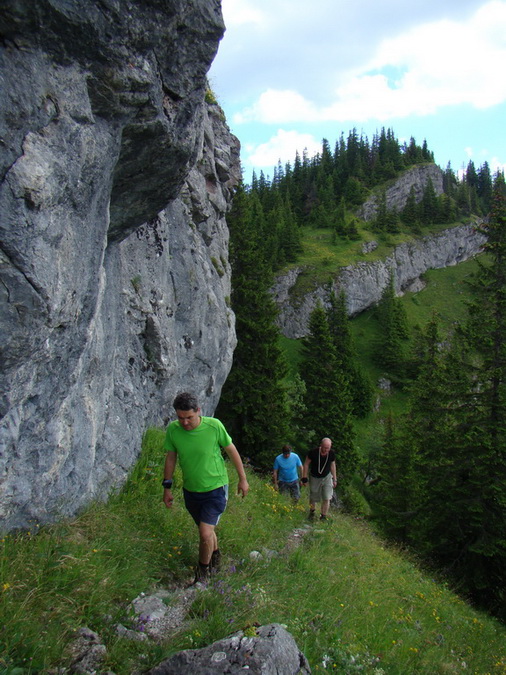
(397, 194)
(272, 651)
(86, 652)
(151, 607)
(369, 247)
(161, 613)
(384, 384)
(364, 282)
(130, 634)
(115, 179)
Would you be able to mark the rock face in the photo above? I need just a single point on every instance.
(115, 177)
(397, 195)
(272, 651)
(363, 284)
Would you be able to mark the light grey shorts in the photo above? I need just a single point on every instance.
(320, 488)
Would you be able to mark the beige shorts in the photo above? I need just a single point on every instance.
(320, 489)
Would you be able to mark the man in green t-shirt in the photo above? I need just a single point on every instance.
(197, 442)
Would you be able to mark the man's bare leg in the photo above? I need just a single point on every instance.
(208, 542)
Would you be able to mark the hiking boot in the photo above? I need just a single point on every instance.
(311, 515)
(215, 561)
(323, 517)
(202, 574)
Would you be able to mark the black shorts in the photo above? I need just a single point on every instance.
(206, 507)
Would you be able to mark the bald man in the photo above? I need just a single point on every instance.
(320, 464)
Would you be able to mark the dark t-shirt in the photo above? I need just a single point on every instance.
(320, 466)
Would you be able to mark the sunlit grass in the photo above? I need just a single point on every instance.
(352, 603)
(320, 250)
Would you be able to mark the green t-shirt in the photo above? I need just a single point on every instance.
(199, 453)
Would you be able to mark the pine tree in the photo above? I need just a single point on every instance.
(429, 205)
(340, 229)
(339, 325)
(485, 187)
(327, 399)
(485, 416)
(458, 426)
(390, 350)
(381, 219)
(409, 213)
(392, 489)
(253, 394)
(433, 440)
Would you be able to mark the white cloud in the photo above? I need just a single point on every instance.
(241, 12)
(274, 106)
(433, 65)
(282, 146)
(496, 165)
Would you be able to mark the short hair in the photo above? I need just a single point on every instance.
(185, 401)
(286, 448)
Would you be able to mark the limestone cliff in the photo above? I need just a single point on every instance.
(364, 282)
(398, 192)
(115, 178)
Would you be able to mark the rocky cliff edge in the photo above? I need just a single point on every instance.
(364, 282)
(115, 178)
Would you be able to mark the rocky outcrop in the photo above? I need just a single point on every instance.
(269, 650)
(397, 194)
(115, 180)
(363, 283)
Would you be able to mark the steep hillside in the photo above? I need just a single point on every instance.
(364, 282)
(352, 603)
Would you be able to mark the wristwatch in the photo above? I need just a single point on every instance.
(167, 483)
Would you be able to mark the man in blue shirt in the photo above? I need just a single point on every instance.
(287, 472)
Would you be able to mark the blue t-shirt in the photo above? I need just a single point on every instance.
(287, 467)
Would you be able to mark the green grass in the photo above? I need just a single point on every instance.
(322, 257)
(349, 600)
(446, 295)
(319, 249)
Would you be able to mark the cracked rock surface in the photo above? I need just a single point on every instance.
(115, 180)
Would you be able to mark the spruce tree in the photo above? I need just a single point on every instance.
(390, 350)
(429, 205)
(253, 395)
(392, 489)
(381, 219)
(433, 440)
(339, 324)
(327, 399)
(339, 224)
(458, 427)
(484, 421)
(409, 213)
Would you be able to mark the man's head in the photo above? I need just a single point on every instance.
(325, 446)
(286, 450)
(187, 410)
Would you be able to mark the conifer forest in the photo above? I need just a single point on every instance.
(437, 481)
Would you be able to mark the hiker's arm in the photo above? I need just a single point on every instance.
(235, 458)
(333, 472)
(305, 471)
(168, 473)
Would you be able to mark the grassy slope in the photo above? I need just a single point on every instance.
(445, 294)
(350, 601)
(321, 256)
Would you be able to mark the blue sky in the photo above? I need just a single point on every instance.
(291, 72)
